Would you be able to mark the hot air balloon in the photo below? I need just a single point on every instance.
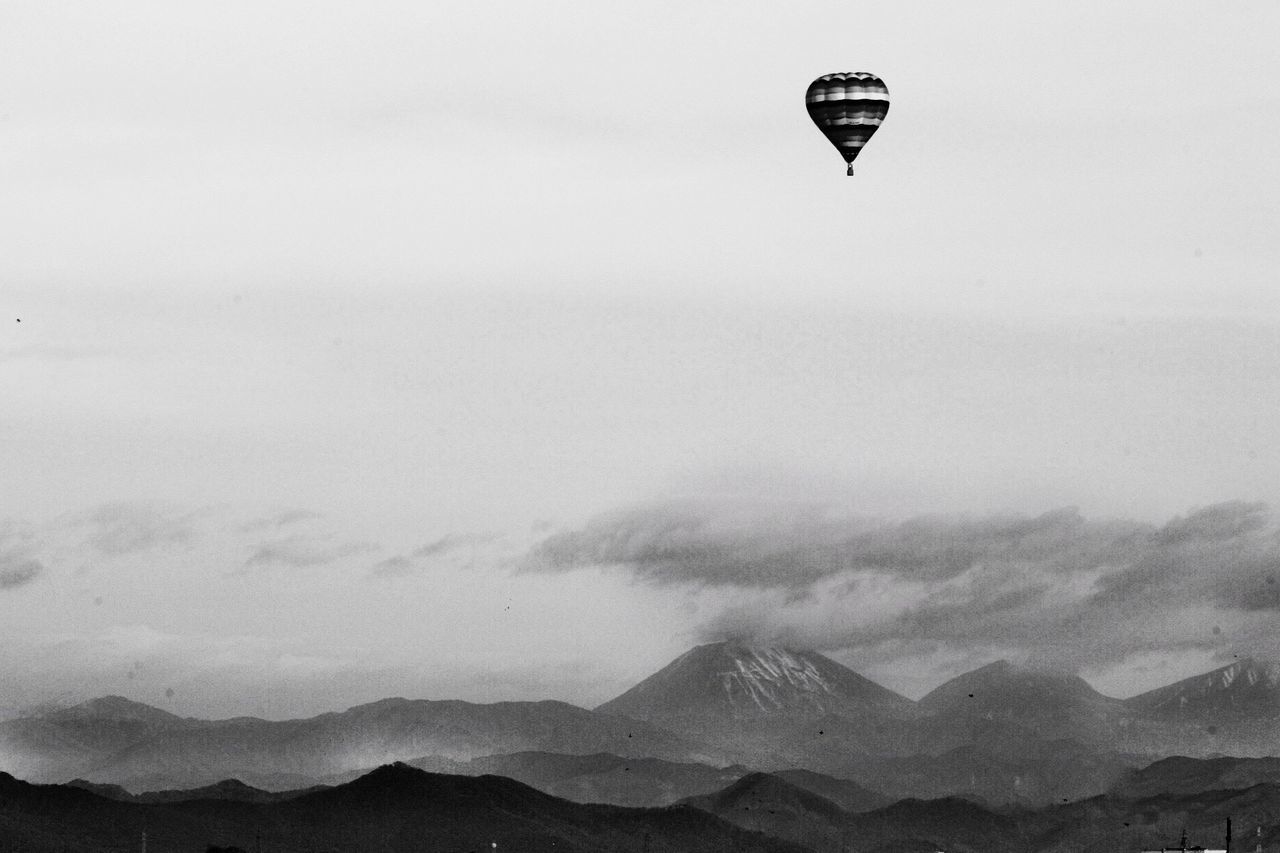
(847, 108)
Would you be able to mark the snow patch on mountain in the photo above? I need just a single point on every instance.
(762, 676)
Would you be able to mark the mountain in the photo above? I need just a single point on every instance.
(158, 751)
(1002, 733)
(1033, 773)
(606, 778)
(764, 706)
(766, 803)
(1185, 776)
(1005, 701)
(1233, 710)
(1118, 823)
(600, 778)
(1244, 688)
(950, 823)
(731, 681)
(118, 710)
(845, 793)
(227, 789)
(62, 742)
(398, 809)
(957, 825)
(111, 792)
(394, 809)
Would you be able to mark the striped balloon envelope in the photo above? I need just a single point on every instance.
(848, 108)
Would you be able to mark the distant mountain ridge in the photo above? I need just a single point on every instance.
(603, 777)
(1001, 733)
(167, 752)
(117, 709)
(1180, 775)
(398, 809)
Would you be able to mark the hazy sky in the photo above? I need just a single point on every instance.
(504, 350)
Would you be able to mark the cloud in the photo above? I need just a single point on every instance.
(16, 571)
(1051, 586)
(422, 556)
(796, 545)
(696, 542)
(452, 542)
(284, 518)
(1217, 523)
(394, 567)
(117, 529)
(302, 552)
(18, 564)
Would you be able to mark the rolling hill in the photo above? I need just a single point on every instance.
(394, 809)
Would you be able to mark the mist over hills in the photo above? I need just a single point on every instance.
(999, 734)
(399, 808)
(172, 752)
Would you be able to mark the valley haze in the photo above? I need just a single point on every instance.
(787, 746)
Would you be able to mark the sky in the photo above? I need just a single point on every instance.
(504, 351)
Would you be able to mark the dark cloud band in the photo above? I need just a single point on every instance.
(1094, 590)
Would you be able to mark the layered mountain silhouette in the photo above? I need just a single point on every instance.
(1180, 775)
(227, 789)
(1107, 822)
(93, 742)
(394, 809)
(1030, 772)
(1001, 734)
(597, 778)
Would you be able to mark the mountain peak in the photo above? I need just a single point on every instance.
(736, 680)
(395, 772)
(765, 792)
(1245, 685)
(113, 709)
(1054, 704)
